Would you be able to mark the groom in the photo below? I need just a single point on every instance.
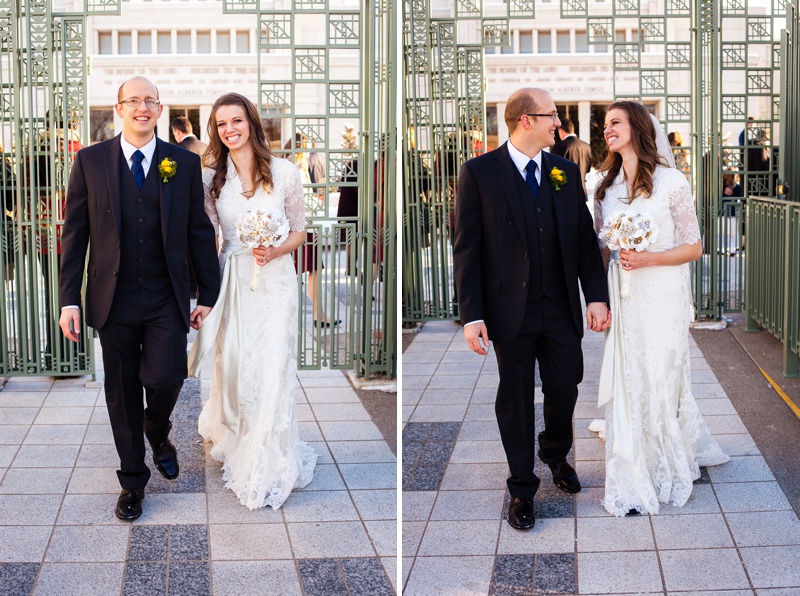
(523, 240)
(137, 222)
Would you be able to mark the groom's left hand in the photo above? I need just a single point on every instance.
(197, 316)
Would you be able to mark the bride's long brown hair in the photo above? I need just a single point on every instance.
(216, 156)
(643, 141)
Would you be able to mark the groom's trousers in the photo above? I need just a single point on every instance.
(144, 354)
(548, 335)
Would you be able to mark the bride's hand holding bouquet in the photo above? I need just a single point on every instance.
(263, 231)
(629, 233)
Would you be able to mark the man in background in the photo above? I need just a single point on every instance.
(182, 131)
(572, 148)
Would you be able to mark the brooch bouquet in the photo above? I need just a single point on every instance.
(166, 169)
(261, 228)
(558, 178)
(629, 230)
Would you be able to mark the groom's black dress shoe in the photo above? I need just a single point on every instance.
(166, 459)
(129, 504)
(520, 513)
(565, 477)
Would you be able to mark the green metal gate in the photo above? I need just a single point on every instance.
(773, 266)
(43, 90)
(42, 119)
(708, 68)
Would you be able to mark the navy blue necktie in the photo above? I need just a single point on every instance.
(136, 169)
(530, 179)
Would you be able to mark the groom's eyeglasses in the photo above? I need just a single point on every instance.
(554, 115)
(135, 102)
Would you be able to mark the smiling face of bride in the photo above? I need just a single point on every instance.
(233, 127)
(617, 131)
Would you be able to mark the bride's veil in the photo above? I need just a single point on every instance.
(662, 143)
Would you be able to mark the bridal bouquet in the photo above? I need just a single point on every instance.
(261, 228)
(628, 230)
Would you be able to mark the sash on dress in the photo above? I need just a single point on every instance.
(612, 372)
(230, 369)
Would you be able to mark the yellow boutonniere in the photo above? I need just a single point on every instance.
(557, 178)
(166, 169)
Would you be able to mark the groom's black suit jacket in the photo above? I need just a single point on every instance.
(94, 220)
(490, 250)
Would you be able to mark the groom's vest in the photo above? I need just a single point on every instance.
(142, 259)
(544, 252)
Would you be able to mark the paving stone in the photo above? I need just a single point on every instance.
(55, 434)
(12, 434)
(23, 544)
(184, 433)
(243, 542)
(603, 534)
(29, 510)
(425, 478)
(773, 567)
(444, 538)
(547, 536)
(712, 569)
(225, 508)
(365, 577)
(369, 476)
(458, 505)
(691, 531)
(751, 496)
(444, 431)
(439, 413)
(188, 543)
(475, 476)
(765, 528)
(376, 504)
(741, 469)
(148, 543)
(188, 414)
(320, 506)
(512, 575)
(85, 579)
(434, 453)
(145, 579)
(361, 452)
(189, 579)
(190, 480)
(326, 477)
(329, 540)
(35, 481)
(255, 578)
(450, 575)
(95, 544)
(634, 572)
(555, 574)
(17, 578)
(411, 451)
(321, 577)
(416, 431)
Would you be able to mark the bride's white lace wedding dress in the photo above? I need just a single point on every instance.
(255, 350)
(669, 439)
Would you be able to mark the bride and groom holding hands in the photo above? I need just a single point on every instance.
(524, 239)
(136, 205)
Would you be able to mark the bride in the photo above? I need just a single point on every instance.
(250, 416)
(656, 439)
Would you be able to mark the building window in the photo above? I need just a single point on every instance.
(509, 49)
(164, 43)
(581, 42)
(101, 124)
(125, 43)
(491, 127)
(105, 43)
(526, 43)
(562, 42)
(544, 42)
(242, 42)
(203, 42)
(223, 43)
(145, 42)
(184, 42)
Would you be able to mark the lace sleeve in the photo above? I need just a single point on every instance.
(683, 209)
(598, 221)
(294, 200)
(209, 203)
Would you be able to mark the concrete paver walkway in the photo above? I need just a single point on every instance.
(737, 535)
(58, 488)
